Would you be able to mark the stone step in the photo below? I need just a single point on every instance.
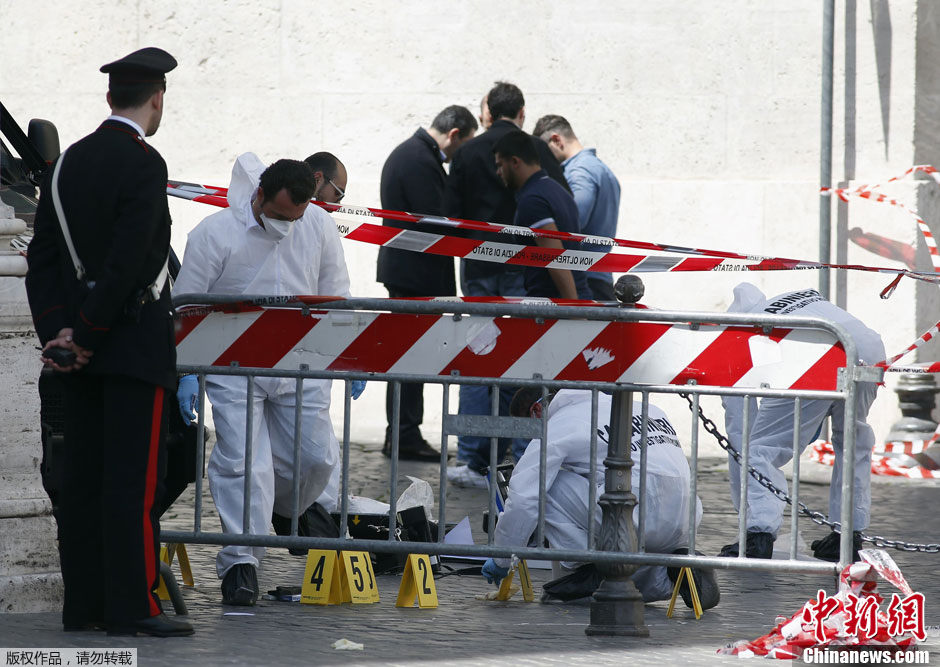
(31, 593)
(28, 546)
(20, 486)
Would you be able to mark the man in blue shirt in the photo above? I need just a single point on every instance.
(541, 203)
(595, 188)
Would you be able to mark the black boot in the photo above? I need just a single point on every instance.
(579, 584)
(160, 625)
(417, 450)
(759, 545)
(706, 583)
(828, 547)
(315, 521)
(240, 585)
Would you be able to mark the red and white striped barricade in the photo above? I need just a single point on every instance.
(516, 347)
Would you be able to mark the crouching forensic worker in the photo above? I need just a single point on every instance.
(567, 491)
(269, 241)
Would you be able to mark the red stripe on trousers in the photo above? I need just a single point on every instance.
(150, 490)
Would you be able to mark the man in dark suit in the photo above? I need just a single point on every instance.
(475, 192)
(413, 180)
(106, 301)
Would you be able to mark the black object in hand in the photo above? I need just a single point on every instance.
(60, 356)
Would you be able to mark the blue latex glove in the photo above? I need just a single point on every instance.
(358, 386)
(492, 572)
(186, 394)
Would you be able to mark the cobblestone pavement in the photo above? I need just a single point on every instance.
(468, 631)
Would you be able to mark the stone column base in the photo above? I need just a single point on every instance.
(31, 593)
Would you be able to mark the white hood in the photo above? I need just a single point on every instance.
(746, 298)
(245, 176)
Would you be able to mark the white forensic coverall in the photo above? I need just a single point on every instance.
(771, 432)
(230, 253)
(567, 486)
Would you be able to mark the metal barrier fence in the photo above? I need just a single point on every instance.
(617, 551)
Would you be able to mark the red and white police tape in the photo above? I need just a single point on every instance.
(705, 260)
(527, 255)
(851, 617)
(893, 461)
(867, 191)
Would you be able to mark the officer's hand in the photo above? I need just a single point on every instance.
(358, 386)
(186, 396)
(64, 340)
(493, 573)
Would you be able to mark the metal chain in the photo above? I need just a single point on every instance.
(817, 517)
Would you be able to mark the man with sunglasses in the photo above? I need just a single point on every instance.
(330, 176)
(268, 241)
(567, 488)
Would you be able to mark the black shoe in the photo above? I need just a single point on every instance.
(282, 527)
(313, 522)
(759, 545)
(575, 586)
(155, 626)
(419, 450)
(828, 547)
(89, 626)
(706, 584)
(240, 585)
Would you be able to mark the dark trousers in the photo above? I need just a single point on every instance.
(602, 289)
(110, 526)
(412, 398)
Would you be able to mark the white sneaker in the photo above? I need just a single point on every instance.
(463, 476)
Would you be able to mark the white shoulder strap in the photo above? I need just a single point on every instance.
(57, 203)
(156, 287)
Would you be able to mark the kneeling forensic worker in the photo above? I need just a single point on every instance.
(567, 492)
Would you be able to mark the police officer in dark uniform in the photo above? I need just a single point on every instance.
(97, 289)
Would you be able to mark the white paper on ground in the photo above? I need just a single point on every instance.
(461, 534)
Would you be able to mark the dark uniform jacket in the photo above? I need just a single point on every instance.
(113, 191)
(413, 180)
(475, 192)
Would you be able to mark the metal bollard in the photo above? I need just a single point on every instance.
(617, 607)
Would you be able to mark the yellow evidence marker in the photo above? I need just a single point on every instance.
(696, 603)
(506, 589)
(186, 570)
(328, 580)
(360, 577)
(417, 581)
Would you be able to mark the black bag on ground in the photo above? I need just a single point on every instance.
(579, 584)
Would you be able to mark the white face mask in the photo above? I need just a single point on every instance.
(277, 229)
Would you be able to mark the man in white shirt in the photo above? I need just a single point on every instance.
(269, 241)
